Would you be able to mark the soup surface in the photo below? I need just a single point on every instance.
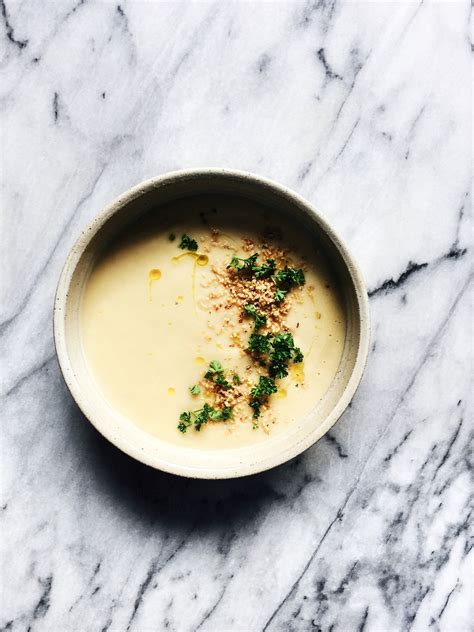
(211, 324)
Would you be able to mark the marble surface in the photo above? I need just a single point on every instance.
(365, 109)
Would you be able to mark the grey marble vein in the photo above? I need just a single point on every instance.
(364, 108)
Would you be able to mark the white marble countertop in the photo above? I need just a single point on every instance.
(363, 108)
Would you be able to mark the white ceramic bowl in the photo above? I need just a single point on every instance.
(124, 433)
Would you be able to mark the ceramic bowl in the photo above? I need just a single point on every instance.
(124, 433)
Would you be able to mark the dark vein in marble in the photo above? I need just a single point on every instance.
(56, 106)
(329, 73)
(212, 610)
(263, 63)
(393, 284)
(440, 614)
(409, 23)
(153, 570)
(357, 66)
(454, 253)
(89, 583)
(340, 152)
(8, 322)
(142, 589)
(27, 376)
(363, 623)
(19, 43)
(296, 583)
(43, 604)
(334, 442)
(347, 579)
(391, 454)
(325, 8)
(411, 615)
(448, 450)
(413, 126)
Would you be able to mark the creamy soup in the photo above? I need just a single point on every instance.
(209, 325)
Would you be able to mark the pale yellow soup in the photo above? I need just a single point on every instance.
(149, 328)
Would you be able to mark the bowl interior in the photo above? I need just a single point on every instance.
(149, 197)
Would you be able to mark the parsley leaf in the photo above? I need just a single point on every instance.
(197, 418)
(283, 351)
(243, 264)
(260, 393)
(236, 379)
(195, 390)
(289, 277)
(259, 344)
(215, 373)
(265, 270)
(279, 295)
(188, 243)
(260, 319)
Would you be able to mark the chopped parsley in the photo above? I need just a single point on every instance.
(215, 373)
(188, 243)
(280, 350)
(289, 277)
(236, 379)
(283, 351)
(196, 418)
(171, 236)
(260, 393)
(250, 265)
(260, 319)
(259, 344)
(279, 295)
(195, 390)
(244, 264)
(266, 270)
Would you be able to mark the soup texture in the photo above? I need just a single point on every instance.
(211, 324)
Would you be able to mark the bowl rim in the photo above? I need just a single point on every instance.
(244, 469)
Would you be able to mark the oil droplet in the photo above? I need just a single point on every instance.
(200, 360)
(281, 394)
(200, 259)
(171, 391)
(318, 315)
(297, 372)
(154, 275)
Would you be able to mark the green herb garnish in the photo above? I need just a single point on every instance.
(279, 295)
(264, 271)
(260, 393)
(244, 264)
(195, 390)
(236, 379)
(197, 418)
(280, 349)
(250, 265)
(171, 236)
(289, 277)
(259, 344)
(260, 319)
(188, 243)
(215, 373)
(283, 351)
